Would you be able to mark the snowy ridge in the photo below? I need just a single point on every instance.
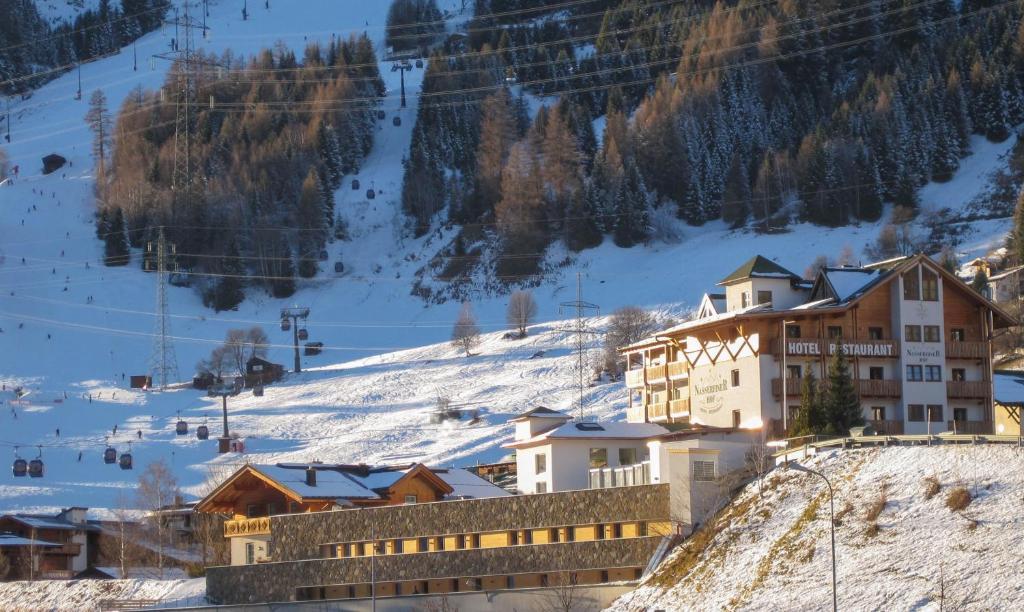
(773, 553)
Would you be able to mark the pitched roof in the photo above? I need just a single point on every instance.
(10, 539)
(40, 521)
(758, 267)
(844, 284)
(591, 430)
(540, 412)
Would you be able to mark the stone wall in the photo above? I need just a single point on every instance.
(299, 536)
(270, 582)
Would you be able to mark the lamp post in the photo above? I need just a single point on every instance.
(832, 516)
(785, 375)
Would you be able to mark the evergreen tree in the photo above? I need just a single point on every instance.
(631, 210)
(115, 252)
(811, 418)
(227, 292)
(980, 283)
(1017, 234)
(841, 402)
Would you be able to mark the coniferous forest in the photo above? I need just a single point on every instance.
(32, 52)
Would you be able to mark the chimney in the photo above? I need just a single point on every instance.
(310, 476)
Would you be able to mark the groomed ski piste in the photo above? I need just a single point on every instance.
(73, 329)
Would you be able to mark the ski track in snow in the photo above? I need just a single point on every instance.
(368, 397)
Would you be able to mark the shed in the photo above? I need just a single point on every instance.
(262, 372)
(52, 163)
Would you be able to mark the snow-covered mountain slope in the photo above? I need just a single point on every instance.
(72, 328)
(898, 544)
(86, 594)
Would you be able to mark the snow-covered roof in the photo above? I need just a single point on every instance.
(10, 539)
(1008, 387)
(758, 267)
(814, 304)
(540, 412)
(1005, 273)
(36, 521)
(467, 484)
(329, 483)
(851, 282)
(588, 430)
(725, 316)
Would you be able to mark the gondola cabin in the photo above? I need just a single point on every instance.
(203, 432)
(181, 428)
(323, 255)
(419, 63)
(125, 462)
(381, 115)
(339, 267)
(35, 468)
(286, 324)
(355, 184)
(303, 334)
(396, 121)
(313, 348)
(20, 468)
(257, 391)
(370, 194)
(110, 455)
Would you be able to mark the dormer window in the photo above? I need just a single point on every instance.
(911, 285)
(764, 297)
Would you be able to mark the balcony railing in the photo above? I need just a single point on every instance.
(970, 427)
(72, 549)
(678, 369)
(247, 527)
(793, 386)
(622, 476)
(870, 387)
(679, 408)
(56, 574)
(968, 389)
(656, 373)
(966, 350)
(657, 411)
(887, 428)
(634, 378)
(826, 346)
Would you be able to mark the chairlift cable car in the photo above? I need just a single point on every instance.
(110, 454)
(286, 324)
(355, 184)
(203, 432)
(20, 467)
(35, 467)
(125, 461)
(181, 428)
(303, 334)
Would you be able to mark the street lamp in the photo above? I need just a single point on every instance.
(832, 512)
(785, 375)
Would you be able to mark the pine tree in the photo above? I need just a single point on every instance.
(115, 252)
(311, 219)
(227, 292)
(98, 118)
(811, 417)
(631, 210)
(841, 402)
(1017, 235)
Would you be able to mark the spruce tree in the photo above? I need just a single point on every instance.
(841, 402)
(115, 252)
(227, 293)
(1017, 236)
(811, 417)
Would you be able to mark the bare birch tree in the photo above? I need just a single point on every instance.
(157, 488)
(521, 311)
(466, 334)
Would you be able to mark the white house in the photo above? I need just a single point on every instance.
(554, 453)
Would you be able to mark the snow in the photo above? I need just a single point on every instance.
(9, 539)
(768, 558)
(467, 484)
(971, 179)
(328, 483)
(386, 358)
(75, 595)
(848, 283)
(598, 430)
(1009, 387)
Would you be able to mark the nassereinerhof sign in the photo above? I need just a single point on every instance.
(707, 395)
(851, 349)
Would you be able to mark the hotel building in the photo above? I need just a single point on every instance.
(918, 339)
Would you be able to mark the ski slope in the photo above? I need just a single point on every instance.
(73, 329)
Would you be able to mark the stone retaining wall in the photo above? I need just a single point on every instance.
(270, 582)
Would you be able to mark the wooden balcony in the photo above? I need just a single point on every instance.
(635, 378)
(813, 347)
(71, 549)
(793, 386)
(887, 428)
(968, 389)
(970, 427)
(678, 369)
(966, 350)
(679, 408)
(657, 411)
(247, 527)
(878, 388)
(656, 374)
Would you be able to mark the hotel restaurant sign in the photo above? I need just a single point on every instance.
(851, 349)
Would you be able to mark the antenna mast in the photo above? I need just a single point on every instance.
(581, 330)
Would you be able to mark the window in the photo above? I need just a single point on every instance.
(935, 413)
(598, 457)
(641, 529)
(527, 536)
(735, 378)
(475, 540)
(960, 414)
(911, 285)
(931, 333)
(252, 510)
(540, 487)
(617, 530)
(792, 331)
(835, 331)
(874, 333)
(912, 333)
(398, 546)
(513, 538)
(764, 297)
(293, 507)
(929, 285)
(704, 471)
(540, 462)
(627, 456)
(271, 509)
(250, 553)
(570, 534)
(744, 299)
(916, 413)
(959, 375)
(599, 532)
(793, 372)
(439, 543)
(933, 373)
(345, 550)
(878, 413)
(460, 540)
(876, 373)
(410, 499)
(957, 334)
(555, 535)
(423, 545)
(914, 373)
(736, 419)
(794, 412)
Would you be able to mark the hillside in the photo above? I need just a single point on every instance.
(71, 326)
(898, 544)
